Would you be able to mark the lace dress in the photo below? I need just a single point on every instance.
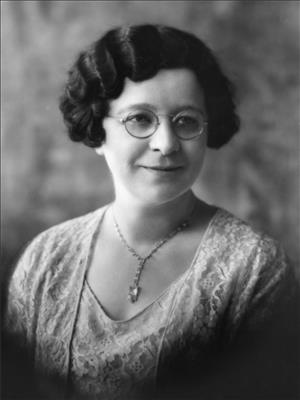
(231, 290)
(117, 359)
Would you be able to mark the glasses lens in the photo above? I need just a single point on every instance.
(141, 124)
(189, 124)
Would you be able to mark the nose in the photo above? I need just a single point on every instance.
(164, 139)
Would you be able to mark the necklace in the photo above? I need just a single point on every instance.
(135, 289)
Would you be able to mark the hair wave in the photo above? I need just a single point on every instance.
(138, 52)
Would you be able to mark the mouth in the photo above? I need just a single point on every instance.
(163, 169)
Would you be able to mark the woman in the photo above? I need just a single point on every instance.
(158, 294)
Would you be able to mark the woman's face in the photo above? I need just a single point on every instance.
(160, 168)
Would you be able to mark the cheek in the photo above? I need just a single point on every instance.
(122, 157)
(196, 165)
(196, 154)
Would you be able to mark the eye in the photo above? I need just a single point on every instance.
(139, 118)
(187, 120)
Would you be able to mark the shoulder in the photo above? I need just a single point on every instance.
(257, 261)
(245, 257)
(67, 233)
(234, 236)
(252, 268)
(55, 248)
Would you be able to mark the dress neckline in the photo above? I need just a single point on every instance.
(173, 285)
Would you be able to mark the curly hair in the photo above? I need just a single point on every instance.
(138, 52)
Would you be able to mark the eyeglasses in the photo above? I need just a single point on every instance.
(141, 124)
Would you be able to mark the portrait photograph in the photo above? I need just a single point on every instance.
(150, 200)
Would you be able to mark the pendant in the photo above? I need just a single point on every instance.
(133, 293)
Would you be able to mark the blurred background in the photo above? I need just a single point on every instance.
(47, 179)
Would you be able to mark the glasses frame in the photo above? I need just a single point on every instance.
(158, 122)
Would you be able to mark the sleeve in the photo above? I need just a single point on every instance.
(263, 358)
(17, 327)
(16, 311)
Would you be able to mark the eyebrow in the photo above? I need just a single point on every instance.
(143, 106)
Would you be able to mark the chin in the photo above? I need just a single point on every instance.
(159, 197)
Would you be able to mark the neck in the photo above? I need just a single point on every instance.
(145, 224)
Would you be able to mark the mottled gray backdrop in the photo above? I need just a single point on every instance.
(47, 179)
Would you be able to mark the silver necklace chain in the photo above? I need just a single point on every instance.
(135, 289)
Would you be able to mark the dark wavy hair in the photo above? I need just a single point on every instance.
(139, 52)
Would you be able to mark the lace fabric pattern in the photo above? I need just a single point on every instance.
(111, 359)
(233, 283)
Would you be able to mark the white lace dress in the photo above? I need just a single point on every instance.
(232, 290)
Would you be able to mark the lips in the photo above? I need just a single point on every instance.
(168, 168)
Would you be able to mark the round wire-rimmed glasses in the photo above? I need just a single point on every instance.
(141, 124)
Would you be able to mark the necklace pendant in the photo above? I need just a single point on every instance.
(133, 293)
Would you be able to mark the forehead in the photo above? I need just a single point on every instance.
(166, 91)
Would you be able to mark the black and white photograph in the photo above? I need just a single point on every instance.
(150, 200)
